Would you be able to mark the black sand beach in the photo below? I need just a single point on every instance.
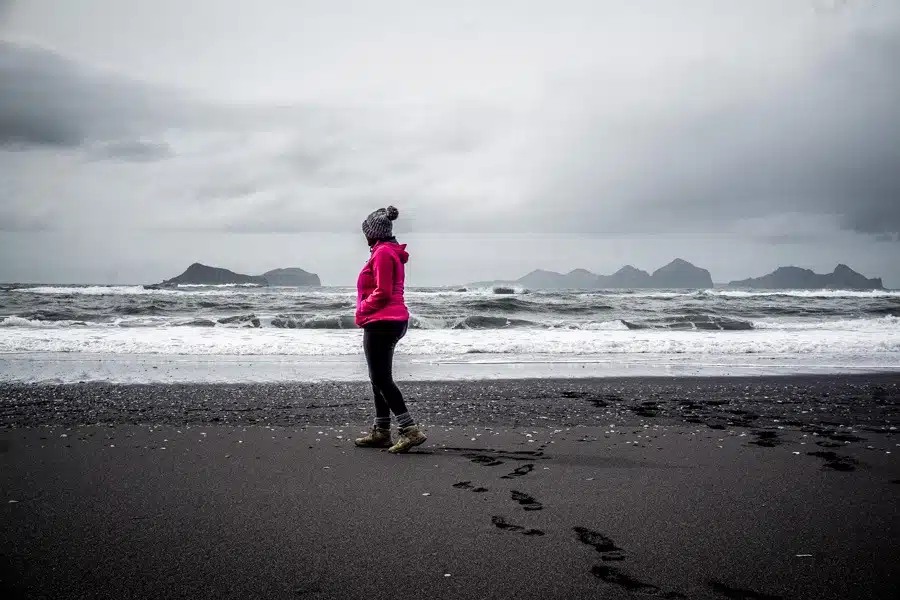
(741, 488)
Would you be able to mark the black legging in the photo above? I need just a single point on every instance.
(379, 340)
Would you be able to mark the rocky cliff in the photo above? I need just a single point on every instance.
(199, 274)
(292, 277)
(677, 274)
(681, 274)
(795, 278)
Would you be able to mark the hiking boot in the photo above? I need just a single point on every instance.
(409, 437)
(379, 438)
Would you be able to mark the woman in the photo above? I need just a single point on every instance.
(382, 313)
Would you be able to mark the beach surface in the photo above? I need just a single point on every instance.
(747, 488)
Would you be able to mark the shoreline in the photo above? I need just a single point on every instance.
(61, 367)
(867, 400)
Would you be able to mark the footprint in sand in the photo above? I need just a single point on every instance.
(467, 485)
(616, 577)
(519, 472)
(527, 502)
(599, 542)
(487, 461)
(501, 523)
(609, 551)
(738, 594)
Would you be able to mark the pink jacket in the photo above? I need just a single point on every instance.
(380, 285)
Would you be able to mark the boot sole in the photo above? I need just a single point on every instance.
(413, 445)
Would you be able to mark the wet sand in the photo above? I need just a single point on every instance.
(751, 488)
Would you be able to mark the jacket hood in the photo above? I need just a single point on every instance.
(398, 249)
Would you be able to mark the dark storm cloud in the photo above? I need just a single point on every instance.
(51, 100)
(822, 142)
(188, 166)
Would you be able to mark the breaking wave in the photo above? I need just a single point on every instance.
(686, 323)
(319, 322)
(701, 322)
(220, 285)
(519, 341)
(313, 322)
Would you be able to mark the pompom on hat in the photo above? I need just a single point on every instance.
(380, 224)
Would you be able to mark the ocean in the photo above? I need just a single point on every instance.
(67, 333)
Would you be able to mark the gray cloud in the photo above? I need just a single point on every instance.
(820, 142)
(49, 99)
(16, 221)
(217, 167)
(760, 132)
(699, 148)
(135, 151)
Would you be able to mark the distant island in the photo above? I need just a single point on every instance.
(795, 278)
(680, 274)
(677, 274)
(199, 274)
(292, 277)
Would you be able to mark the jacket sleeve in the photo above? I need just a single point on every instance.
(383, 266)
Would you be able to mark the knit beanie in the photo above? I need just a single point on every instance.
(380, 224)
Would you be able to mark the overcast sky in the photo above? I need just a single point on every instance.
(137, 137)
